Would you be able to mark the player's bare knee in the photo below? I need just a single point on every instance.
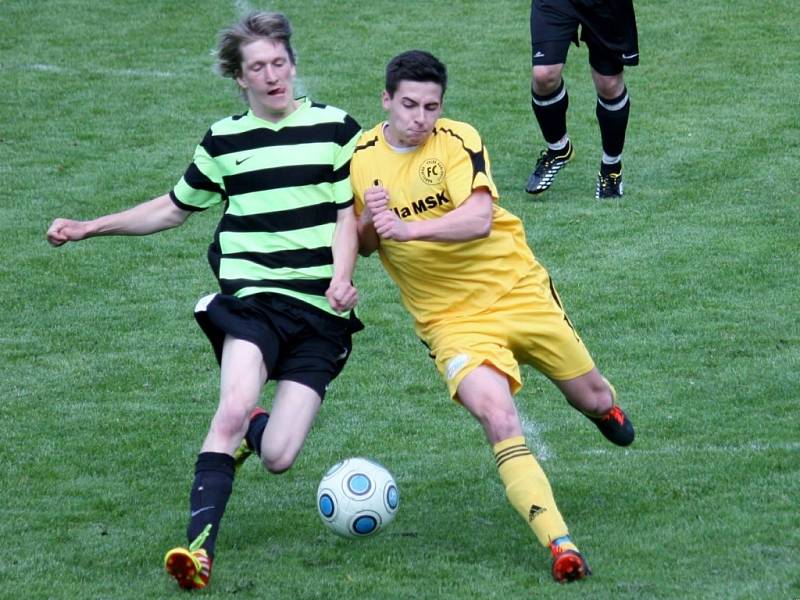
(546, 79)
(609, 86)
(277, 458)
(278, 464)
(500, 422)
(230, 422)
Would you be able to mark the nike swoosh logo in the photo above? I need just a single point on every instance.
(238, 162)
(538, 55)
(629, 56)
(199, 510)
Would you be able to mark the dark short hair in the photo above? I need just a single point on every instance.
(415, 65)
(251, 27)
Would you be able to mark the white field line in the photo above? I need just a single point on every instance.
(748, 448)
(48, 68)
(300, 85)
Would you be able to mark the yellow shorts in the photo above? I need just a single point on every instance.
(527, 326)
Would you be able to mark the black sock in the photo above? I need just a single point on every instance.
(213, 484)
(551, 113)
(255, 431)
(612, 116)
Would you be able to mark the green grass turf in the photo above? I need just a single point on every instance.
(685, 292)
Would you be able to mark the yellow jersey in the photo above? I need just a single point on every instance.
(438, 280)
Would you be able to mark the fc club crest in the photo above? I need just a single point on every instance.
(431, 171)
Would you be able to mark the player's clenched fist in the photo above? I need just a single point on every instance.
(391, 227)
(387, 224)
(377, 199)
(65, 230)
(342, 296)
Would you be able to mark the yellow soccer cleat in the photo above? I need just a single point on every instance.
(190, 567)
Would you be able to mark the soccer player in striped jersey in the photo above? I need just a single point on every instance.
(284, 253)
(480, 300)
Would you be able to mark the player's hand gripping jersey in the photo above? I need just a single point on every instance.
(439, 280)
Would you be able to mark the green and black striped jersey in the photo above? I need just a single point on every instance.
(281, 185)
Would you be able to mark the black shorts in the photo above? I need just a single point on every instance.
(608, 27)
(297, 342)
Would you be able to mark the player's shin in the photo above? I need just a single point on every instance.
(212, 487)
(528, 489)
(612, 117)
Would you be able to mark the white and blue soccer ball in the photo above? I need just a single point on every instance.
(357, 497)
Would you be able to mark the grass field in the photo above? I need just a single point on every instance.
(686, 292)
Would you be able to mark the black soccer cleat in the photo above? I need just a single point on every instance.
(608, 185)
(615, 426)
(547, 167)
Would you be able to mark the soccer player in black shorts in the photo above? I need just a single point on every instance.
(284, 253)
(608, 29)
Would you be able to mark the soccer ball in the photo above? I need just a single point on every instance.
(357, 497)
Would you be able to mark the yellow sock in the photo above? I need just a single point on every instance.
(528, 490)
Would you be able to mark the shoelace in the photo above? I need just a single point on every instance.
(544, 162)
(205, 565)
(557, 545)
(616, 414)
(606, 180)
(202, 557)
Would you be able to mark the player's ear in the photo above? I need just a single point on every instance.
(386, 100)
(240, 80)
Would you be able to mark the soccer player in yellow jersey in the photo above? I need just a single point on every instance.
(427, 203)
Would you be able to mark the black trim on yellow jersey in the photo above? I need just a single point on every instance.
(476, 157)
(369, 144)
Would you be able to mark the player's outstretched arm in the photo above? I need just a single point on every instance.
(341, 293)
(148, 217)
